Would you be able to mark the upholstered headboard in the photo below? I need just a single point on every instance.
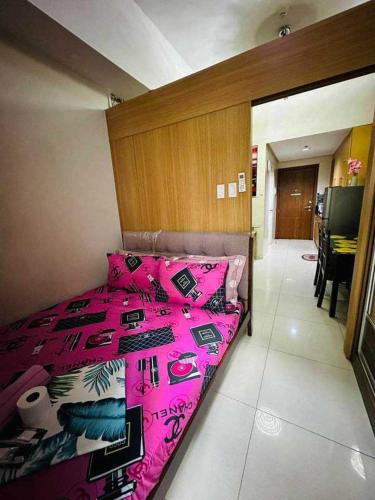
(196, 243)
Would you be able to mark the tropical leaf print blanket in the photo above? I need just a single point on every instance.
(88, 413)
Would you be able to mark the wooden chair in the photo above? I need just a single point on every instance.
(319, 262)
(334, 267)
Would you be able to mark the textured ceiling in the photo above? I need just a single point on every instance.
(130, 46)
(319, 145)
(205, 32)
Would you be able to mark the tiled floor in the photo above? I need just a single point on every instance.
(287, 421)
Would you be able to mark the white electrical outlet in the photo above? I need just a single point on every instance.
(232, 189)
(220, 191)
(242, 182)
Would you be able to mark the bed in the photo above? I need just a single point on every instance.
(170, 363)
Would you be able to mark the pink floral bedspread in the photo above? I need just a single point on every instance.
(171, 353)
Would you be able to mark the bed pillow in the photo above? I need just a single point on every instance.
(133, 273)
(236, 265)
(234, 274)
(194, 283)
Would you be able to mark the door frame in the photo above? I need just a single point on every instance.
(294, 169)
(360, 373)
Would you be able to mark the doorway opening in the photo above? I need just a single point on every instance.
(307, 196)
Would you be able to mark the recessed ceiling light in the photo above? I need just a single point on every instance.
(306, 148)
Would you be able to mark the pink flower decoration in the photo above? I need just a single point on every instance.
(354, 166)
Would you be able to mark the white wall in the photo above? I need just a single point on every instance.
(120, 31)
(58, 214)
(335, 107)
(269, 199)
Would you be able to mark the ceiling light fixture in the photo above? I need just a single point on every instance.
(285, 29)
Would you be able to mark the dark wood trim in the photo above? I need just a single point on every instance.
(333, 163)
(365, 388)
(316, 174)
(365, 283)
(314, 85)
(334, 49)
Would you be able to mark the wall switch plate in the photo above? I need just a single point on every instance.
(232, 189)
(242, 182)
(220, 191)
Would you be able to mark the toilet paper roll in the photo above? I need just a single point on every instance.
(36, 375)
(33, 406)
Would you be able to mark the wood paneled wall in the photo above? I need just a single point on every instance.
(166, 178)
(171, 146)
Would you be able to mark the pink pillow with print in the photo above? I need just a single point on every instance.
(236, 264)
(193, 283)
(132, 272)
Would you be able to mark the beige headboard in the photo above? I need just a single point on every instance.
(196, 243)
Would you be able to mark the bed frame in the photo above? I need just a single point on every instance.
(198, 243)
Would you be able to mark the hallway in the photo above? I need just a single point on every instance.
(287, 421)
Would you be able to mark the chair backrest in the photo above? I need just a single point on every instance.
(326, 247)
(320, 228)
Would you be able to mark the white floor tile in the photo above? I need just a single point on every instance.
(212, 467)
(278, 246)
(318, 397)
(262, 328)
(297, 268)
(267, 280)
(342, 324)
(315, 341)
(292, 367)
(297, 307)
(298, 286)
(242, 377)
(265, 301)
(304, 246)
(288, 463)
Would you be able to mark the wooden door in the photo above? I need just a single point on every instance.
(296, 192)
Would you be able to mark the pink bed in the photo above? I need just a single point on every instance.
(171, 353)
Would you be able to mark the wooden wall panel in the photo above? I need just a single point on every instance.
(363, 253)
(125, 174)
(361, 140)
(339, 45)
(166, 178)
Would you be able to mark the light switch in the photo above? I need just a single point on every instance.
(220, 191)
(241, 182)
(232, 189)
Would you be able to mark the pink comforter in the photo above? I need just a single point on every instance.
(171, 352)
